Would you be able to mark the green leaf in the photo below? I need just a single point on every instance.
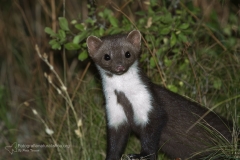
(84, 45)
(217, 83)
(158, 41)
(167, 62)
(184, 26)
(149, 37)
(53, 41)
(100, 14)
(142, 21)
(176, 50)
(173, 40)
(90, 21)
(73, 21)
(159, 52)
(63, 23)
(167, 19)
(79, 27)
(83, 55)
(49, 31)
(72, 46)
(152, 62)
(144, 56)
(164, 31)
(56, 46)
(182, 38)
(183, 67)
(153, 3)
(156, 19)
(165, 40)
(101, 31)
(61, 34)
(113, 21)
(76, 39)
(107, 12)
(62, 41)
(172, 88)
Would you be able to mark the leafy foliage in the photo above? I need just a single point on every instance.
(168, 36)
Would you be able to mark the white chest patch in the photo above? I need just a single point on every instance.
(131, 85)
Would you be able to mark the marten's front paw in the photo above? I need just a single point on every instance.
(134, 157)
(139, 157)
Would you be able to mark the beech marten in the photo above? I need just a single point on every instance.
(160, 118)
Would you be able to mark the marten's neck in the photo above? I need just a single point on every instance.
(127, 97)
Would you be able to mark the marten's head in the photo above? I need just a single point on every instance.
(116, 53)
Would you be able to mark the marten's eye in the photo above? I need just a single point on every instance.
(127, 54)
(107, 57)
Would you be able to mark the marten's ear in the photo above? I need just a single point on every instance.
(134, 37)
(93, 44)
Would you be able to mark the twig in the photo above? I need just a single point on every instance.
(211, 109)
(45, 8)
(48, 131)
(80, 80)
(195, 76)
(26, 22)
(63, 90)
(65, 79)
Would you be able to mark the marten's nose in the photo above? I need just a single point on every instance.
(120, 68)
